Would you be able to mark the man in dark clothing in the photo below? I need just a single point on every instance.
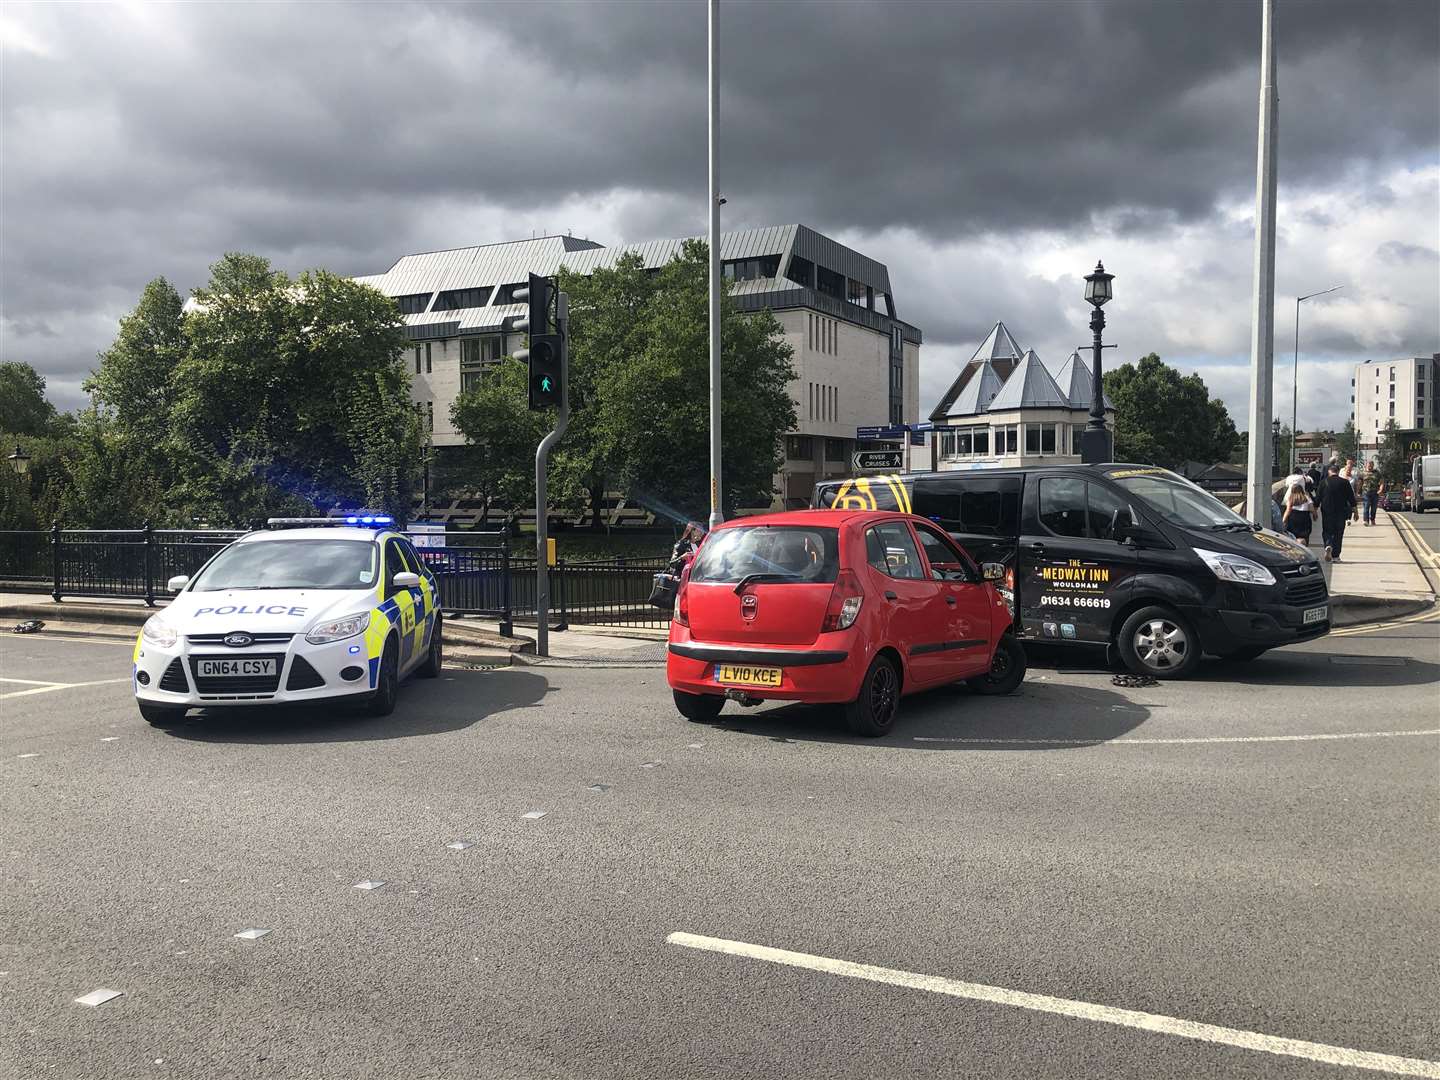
(1337, 504)
(1316, 478)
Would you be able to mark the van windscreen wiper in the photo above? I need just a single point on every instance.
(751, 579)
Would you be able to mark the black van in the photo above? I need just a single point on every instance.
(1129, 556)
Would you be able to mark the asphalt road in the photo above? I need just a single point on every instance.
(1428, 525)
(1110, 849)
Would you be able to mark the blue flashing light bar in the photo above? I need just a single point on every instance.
(376, 521)
(370, 519)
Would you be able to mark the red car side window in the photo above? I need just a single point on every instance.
(947, 562)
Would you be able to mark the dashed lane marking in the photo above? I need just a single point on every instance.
(1317, 737)
(1077, 1010)
(48, 688)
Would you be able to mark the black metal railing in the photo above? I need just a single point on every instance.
(476, 572)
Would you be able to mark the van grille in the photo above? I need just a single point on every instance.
(1306, 592)
(238, 684)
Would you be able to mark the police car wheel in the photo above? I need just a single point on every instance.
(435, 658)
(161, 715)
(1007, 669)
(382, 701)
(699, 708)
(872, 714)
(1160, 642)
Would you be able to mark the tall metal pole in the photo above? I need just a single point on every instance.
(716, 513)
(542, 455)
(1295, 381)
(1262, 315)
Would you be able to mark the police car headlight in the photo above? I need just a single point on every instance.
(160, 632)
(339, 629)
(1229, 567)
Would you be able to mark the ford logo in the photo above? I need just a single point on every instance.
(239, 640)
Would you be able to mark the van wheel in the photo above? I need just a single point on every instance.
(1244, 656)
(387, 687)
(1159, 641)
(161, 715)
(1007, 669)
(699, 708)
(872, 714)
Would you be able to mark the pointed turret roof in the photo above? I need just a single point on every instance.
(998, 349)
(1029, 386)
(978, 392)
(1074, 380)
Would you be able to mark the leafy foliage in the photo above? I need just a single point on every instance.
(1164, 418)
(22, 400)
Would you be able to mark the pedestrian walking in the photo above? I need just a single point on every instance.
(1372, 486)
(1337, 504)
(1298, 514)
(1351, 475)
(667, 584)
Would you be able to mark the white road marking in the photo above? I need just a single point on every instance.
(48, 688)
(98, 997)
(1078, 1010)
(29, 682)
(1173, 742)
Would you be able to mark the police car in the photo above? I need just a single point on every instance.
(309, 610)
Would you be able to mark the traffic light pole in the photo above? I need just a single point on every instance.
(542, 510)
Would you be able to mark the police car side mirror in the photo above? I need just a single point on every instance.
(405, 580)
(993, 571)
(178, 582)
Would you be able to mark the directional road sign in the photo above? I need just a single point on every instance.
(878, 460)
(871, 434)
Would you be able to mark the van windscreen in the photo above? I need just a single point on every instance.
(1180, 502)
(803, 553)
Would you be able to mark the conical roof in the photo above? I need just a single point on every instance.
(998, 347)
(1030, 386)
(1074, 380)
(978, 392)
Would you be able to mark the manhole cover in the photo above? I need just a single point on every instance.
(1369, 661)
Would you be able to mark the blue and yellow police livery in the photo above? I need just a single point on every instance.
(295, 613)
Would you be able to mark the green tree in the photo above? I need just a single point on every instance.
(1164, 418)
(23, 408)
(135, 381)
(1347, 445)
(293, 392)
(1391, 461)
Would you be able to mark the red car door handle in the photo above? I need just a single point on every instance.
(890, 595)
(950, 600)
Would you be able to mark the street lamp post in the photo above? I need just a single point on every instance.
(1275, 447)
(19, 461)
(1095, 445)
(1295, 380)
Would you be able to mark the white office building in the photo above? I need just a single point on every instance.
(1402, 390)
(1006, 408)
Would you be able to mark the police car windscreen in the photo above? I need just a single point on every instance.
(292, 564)
(1180, 502)
(779, 552)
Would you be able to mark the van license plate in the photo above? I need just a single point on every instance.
(208, 669)
(1316, 614)
(745, 675)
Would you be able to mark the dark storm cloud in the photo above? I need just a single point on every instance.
(146, 140)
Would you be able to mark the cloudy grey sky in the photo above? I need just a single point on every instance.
(988, 152)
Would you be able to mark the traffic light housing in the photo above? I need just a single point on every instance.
(547, 375)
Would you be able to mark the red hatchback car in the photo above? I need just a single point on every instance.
(845, 607)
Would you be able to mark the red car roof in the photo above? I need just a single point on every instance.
(814, 517)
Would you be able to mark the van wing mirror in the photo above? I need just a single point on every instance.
(993, 571)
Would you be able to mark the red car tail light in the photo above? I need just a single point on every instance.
(682, 604)
(845, 600)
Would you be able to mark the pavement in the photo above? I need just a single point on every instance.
(1378, 574)
(1229, 877)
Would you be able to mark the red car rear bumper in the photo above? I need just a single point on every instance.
(817, 674)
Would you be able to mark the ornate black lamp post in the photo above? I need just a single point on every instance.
(1095, 443)
(19, 461)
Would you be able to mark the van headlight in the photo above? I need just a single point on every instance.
(1229, 567)
(159, 632)
(338, 629)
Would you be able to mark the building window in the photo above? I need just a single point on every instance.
(801, 271)
(835, 450)
(766, 266)
(857, 292)
(897, 376)
(505, 294)
(1392, 374)
(800, 448)
(459, 299)
(830, 283)
(430, 416)
(417, 359)
(428, 357)
(1392, 390)
(1007, 439)
(1392, 408)
(477, 354)
(413, 304)
(1040, 439)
